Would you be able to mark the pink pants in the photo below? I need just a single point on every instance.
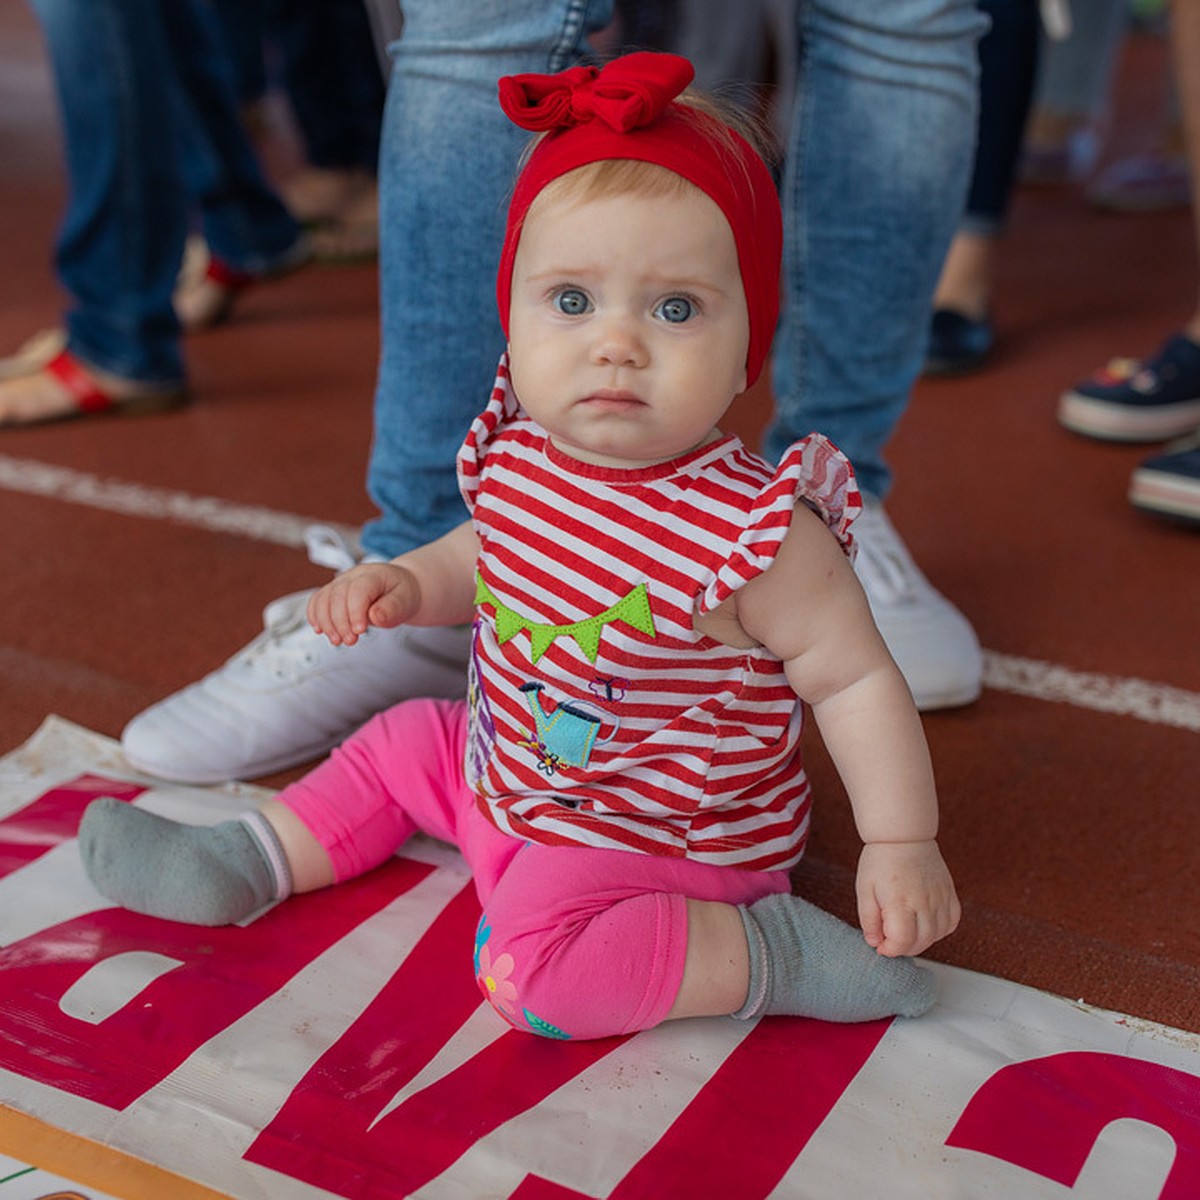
(574, 942)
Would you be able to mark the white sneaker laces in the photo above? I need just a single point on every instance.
(281, 654)
(331, 547)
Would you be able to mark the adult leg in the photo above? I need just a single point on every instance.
(440, 241)
(961, 331)
(879, 152)
(446, 162)
(245, 223)
(1168, 484)
(333, 84)
(336, 91)
(1073, 93)
(121, 239)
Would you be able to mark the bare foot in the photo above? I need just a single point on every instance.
(30, 399)
(317, 194)
(354, 234)
(965, 285)
(34, 353)
(44, 396)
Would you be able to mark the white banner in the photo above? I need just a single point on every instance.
(337, 1045)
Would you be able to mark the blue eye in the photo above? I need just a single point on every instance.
(675, 309)
(572, 302)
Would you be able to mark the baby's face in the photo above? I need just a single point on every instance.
(628, 327)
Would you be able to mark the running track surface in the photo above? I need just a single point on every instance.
(137, 554)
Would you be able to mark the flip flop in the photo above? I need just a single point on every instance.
(208, 286)
(90, 397)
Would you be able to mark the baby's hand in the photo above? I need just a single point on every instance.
(381, 594)
(906, 898)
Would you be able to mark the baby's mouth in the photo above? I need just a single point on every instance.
(613, 398)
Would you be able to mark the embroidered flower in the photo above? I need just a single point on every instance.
(547, 760)
(493, 979)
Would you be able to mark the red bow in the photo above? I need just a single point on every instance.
(628, 92)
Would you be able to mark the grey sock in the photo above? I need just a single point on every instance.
(805, 962)
(201, 874)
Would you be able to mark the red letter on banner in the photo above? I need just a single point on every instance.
(224, 973)
(329, 1132)
(1046, 1114)
(767, 1099)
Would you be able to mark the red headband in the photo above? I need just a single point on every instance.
(625, 111)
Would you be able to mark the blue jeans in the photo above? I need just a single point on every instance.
(329, 66)
(446, 165)
(150, 126)
(878, 159)
(333, 79)
(879, 156)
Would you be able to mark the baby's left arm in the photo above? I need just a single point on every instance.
(810, 610)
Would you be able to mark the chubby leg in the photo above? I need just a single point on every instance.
(782, 955)
(585, 943)
(398, 774)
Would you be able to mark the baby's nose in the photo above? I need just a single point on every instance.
(619, 341)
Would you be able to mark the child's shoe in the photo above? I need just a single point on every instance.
(1169, 483)
(1132, 401)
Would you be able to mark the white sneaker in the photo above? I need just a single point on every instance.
(932, 642)
(290, 696)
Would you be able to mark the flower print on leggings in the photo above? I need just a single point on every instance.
(493, 975)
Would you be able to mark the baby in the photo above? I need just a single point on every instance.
(650, 606)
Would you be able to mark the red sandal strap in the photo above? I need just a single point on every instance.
(225, 275)
(88, 395)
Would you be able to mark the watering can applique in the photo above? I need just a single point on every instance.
(569, 732)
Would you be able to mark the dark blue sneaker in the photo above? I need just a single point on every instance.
(1169, 483)
(957, 343)
(1132, 401)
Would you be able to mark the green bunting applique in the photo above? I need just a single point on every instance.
(633, 609)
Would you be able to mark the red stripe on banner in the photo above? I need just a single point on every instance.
(223, 974)
(756, 1114)
(440, 1124)
(53, 817)
(329, 1132)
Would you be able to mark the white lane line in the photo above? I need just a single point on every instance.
(159, 504)
(1157, 703)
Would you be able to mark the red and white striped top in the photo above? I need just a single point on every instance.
(599, 715)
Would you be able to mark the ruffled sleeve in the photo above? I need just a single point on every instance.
(813, 471)
(502, 406)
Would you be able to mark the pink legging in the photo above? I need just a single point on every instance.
(574, 942)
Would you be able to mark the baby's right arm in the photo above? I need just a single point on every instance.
(432, 585)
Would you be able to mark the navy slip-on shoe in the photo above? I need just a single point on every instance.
(1134, 401)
